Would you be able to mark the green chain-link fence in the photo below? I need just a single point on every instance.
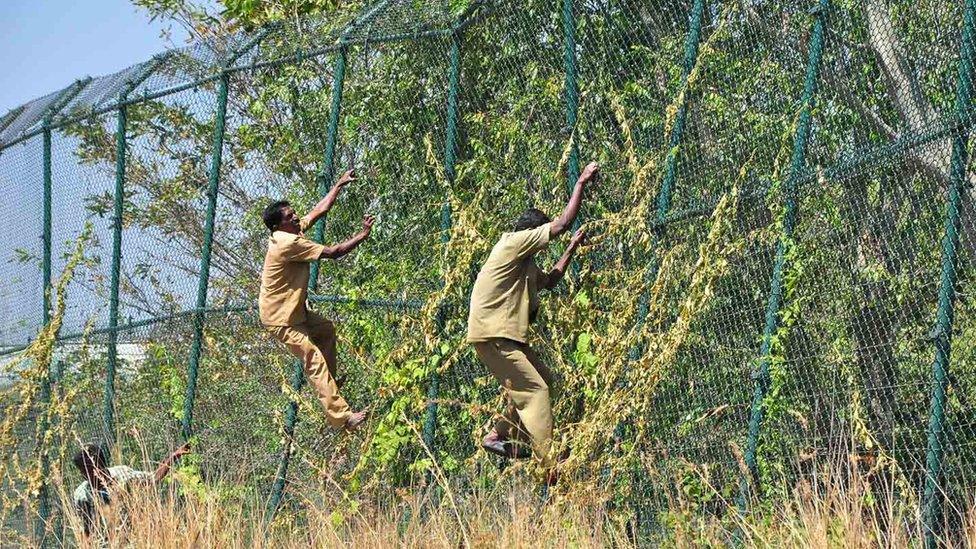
(783, 237)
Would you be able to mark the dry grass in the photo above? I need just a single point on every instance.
(148, 519)
(840, 507)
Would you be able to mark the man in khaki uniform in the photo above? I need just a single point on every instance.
(503, 303)
(284, 291)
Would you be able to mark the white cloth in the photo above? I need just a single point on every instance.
(121, 474)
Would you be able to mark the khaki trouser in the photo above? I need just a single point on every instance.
(526, 381)
(314, 343)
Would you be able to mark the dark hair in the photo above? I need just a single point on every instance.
(91, 458)
(273, 213)
(530, 219)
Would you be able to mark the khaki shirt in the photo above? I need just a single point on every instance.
(284, 279)
(504, 298)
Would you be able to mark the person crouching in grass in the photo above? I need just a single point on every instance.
(104, 485)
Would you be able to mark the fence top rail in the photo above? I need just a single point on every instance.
(23, 119)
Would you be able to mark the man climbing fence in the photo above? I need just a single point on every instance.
(504, 302)
(282, 302)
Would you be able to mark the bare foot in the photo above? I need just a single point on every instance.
(355, 421)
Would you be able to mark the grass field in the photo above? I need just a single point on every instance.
(837, 508)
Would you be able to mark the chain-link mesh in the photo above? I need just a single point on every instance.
(770, 284)
(23, 289)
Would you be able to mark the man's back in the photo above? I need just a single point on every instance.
(504, 294)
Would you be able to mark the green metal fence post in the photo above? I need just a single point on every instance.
(675, 137)
(108, 413)
(203, 280)
(43, 502)
(291, 418)
(692, 41)
(571, 97)
(761, 376)
(46, 238)
(331, 141)
(108, 406)
(325, 182)
(450, 159)
(43, 505)
(934, 492)
(663, 199)
(571, 93)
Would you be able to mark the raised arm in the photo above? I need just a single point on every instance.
(557, 272)
(565, 220)
(326, 203)
(167, 463)
(341, 249)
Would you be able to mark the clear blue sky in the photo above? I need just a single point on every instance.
(47, 44)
